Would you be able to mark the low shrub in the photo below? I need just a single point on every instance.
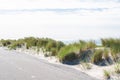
(107, 74)
(117, 68)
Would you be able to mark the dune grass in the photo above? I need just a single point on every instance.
(75, 49)
(107, 74)
(47, 44)
(68, 52)
(56, 48)
(97, 56)
(114, 45)
(117, 68)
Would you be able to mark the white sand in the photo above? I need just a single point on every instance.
(95, 71)
(40, 55)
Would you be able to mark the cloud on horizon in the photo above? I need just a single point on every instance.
(81, 7)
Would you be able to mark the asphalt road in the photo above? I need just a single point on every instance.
(20, 66)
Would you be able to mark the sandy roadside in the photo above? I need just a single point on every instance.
(95, 71)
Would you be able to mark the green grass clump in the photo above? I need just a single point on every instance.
(107, 74)
(7, 42)
(47, 44)
(68, 52)
(97, 56)
(91, 45)
(106, 53)
(30, 42)
(117, 68)
(77, 48)
(17, 44)
(113, 44)
(101, 56)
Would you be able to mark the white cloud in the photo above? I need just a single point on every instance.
(28, 4)
(86, 22)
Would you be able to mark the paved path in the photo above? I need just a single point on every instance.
(20, 66)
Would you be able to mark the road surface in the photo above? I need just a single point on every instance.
(20, 66)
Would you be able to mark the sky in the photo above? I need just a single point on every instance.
(60, 19)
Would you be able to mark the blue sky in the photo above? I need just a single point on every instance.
(60, 19)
